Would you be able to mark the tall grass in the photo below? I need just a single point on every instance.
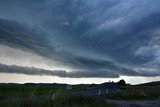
(63, 98)
(80, 101)
(8, 91)
(61, 101)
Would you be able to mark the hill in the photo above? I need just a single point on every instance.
(155, 83)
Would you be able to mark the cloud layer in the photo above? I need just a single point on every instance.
(61, 73)
(102, 38)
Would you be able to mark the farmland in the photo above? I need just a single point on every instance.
(33, 95)
(28, 95)
(136, 93)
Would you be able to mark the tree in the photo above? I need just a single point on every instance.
(121, 83)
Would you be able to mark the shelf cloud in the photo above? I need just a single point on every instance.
(80, 38)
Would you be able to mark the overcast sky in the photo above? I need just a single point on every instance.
(79, 41)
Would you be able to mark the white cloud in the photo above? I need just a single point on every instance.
(13, 56)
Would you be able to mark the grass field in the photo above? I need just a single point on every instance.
(29, 90)
(80, 101)
(64, 98)
(18, 90)
(137, 93)
(61, 100)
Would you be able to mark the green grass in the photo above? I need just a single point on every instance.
(80, 101)
(30, 90)
(64, 100)
(63, 97)
(8, 91)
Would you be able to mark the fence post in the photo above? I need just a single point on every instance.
(53, 96)
(99, 92)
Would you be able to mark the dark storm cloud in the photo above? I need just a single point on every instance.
(14, 35)
(109, 67)
(117, 36)
(20, 35)
(29, 71)
(61, 73)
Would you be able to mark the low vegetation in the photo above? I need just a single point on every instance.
(79, 101)
(61, 100)
(29, 90)
(65, 98)
(10, 92)
(136, 93)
